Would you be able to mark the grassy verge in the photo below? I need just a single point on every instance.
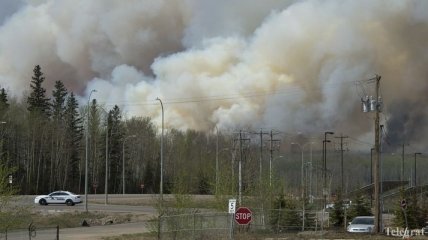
(71, 219)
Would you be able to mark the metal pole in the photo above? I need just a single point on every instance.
(161, 163)
(87, 152)
(123, 166)
(402, 165)
(216, 164)
(270, 159)
(303, 192)
(123, 162)
(371, 165)
(418, 153)
(240, 168)
(106, 173)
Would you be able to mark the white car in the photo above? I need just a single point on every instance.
(361, 224)
(58, 197)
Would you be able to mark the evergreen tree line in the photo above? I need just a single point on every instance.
(43, 138)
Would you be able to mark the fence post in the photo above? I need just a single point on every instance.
(159, 227)
(57, 232)
(194, 225)
(231, 226)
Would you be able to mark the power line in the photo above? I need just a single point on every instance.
(290, 90)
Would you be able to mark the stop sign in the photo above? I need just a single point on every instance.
(243, 216)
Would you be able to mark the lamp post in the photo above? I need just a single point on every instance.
(324, 190)
(87, 152)
(418, 153)
(371, 165)
(216, 162)
(123, 162)
(161, 153)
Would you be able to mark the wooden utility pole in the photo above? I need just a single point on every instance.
(377, 212)
(341, 161)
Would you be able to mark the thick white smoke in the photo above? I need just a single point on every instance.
(292, 66)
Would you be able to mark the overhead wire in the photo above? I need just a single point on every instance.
(289, 90)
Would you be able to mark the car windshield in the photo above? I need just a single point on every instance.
(368, 221)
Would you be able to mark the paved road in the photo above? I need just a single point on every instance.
(137, 204)
(82, 233)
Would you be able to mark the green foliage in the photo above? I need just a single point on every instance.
(4, 104)
(359, 207)
(10, 214)
(284, 214)
(338, 213)
(415, 212)
(38, 103)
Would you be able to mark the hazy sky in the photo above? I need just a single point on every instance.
(296, 66)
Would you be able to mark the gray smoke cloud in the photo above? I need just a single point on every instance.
(291, 65)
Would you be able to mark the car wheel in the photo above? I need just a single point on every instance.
(69, 202)
(43, 202)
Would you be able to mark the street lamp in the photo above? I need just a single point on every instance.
(161, 163)
(418, 153)
(216, 162)
(123, 162)
(302, 170)
(106, 160)
(371, 165)
(324, 193)
(87, 152)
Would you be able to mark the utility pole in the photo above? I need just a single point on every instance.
(402, 164)
(261, 133)
(375, 105)
(241, 151)
(341, 161)
(271, 149)
(376, 164)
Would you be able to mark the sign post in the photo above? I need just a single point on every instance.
(243, 216)
(232, 209)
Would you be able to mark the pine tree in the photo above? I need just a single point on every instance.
(115, 147)
(338, 213)
(4, 105)
(74, 131)
(360, 207)
(37, 101)
(59, 97)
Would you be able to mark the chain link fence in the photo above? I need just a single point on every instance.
(30, 233)
(209, 226)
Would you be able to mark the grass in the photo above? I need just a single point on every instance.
(68, 219)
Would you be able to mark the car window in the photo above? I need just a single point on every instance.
(54, 194)
(367, 221)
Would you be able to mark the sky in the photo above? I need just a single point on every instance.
(293, 66)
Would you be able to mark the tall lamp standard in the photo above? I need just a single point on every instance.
(325, 141)
(106, 160)
(87, 152)
(302, 182)
(418, 153)
(161, 153)
(123, 162)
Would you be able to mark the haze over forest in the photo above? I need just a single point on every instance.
(292, 66)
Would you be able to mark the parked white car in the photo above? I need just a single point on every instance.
(58, 197)
(361, 224)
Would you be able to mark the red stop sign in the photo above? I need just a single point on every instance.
(243, 216)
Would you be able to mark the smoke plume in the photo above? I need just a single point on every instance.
(296, 66)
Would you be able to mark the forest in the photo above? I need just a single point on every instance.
(48, 138)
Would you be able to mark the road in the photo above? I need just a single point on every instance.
(137, 204)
